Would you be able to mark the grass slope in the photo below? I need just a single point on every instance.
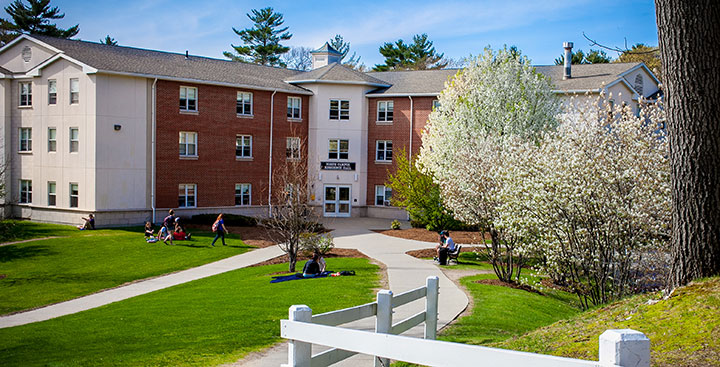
(206, 322)
(18, 230)
(684, 330)
(42, 272)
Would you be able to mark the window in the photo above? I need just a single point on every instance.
(188, 144)
(338, 149)
(292, 148)
(52, 139)
(385, 111)
(74, 91)
(186, 197)
(242, 194)
(52, 190)
(244, 103)
(74, 195)
(243, 146)
(339, 109)
(25, 191)
(25, 139)
(74, 139)
(382, 195)
(436, 104)
(188, 99)
(383, 150)
(293, 108)
(52, 91)
(25, 93)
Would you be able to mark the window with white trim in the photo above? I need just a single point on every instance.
(339, 109)
(74, 91)
(382, 195)
(52, 139)
(186, 195)
(338, 149)
(292, 148)
(243, 146)
(188, 144)
(52, 193)
(242, 194)
(244, 103)
(436, 104)
(293, 108)
(383, 150)
(25, 93)
(52, 91)
(25, 139)
(25, 192)
(188, 99)
(385, 111)
(74, 195)
(74, 140)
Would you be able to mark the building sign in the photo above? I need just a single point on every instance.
(337, 166)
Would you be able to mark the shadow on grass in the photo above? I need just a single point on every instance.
(14, 252)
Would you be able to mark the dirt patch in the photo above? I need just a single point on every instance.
(336, 252)
(3, 276)
(509, 285)
(548, 283)
(421, 234)
(252, 236)
(430, 252)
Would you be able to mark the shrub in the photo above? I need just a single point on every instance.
(395, 224)
(314, 242)
(233, 220)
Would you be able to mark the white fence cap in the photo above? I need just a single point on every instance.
(623, 335)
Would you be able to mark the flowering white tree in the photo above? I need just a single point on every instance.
(496, 99)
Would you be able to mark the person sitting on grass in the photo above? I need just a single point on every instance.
(89, 223)
(179, 233)
(149, 232)
(165, 235)
(314, 266)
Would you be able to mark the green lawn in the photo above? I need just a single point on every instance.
(206, 322)
(42, 272)
(18, 230)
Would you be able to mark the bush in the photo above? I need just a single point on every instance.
(395, 224)
(233, 220)
(311, 243)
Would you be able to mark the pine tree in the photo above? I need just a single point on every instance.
(419, 55)
(262, 41)
(108, 41)
(339, 44)
(34, 18)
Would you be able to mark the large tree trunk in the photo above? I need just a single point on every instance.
(689, 35)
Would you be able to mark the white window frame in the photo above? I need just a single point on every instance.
(292, 148)
(52, 92)
(435, 104)
(244, 107)
(186, 189)
(184, 135)
(342, 113)
(25, 140)
(186, 107)
(384, 194)
(25, 191)
(74, 91)
(52, 141)
(240, 144)
(75, 196)
(385, 111)
(76, 147)
(245, 197)
(27, 93)
(294, 108)
(384, 151)
(52, 193)
(338, 151)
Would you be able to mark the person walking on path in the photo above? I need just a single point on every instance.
(219, 228)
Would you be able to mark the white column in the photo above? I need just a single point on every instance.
(299, 353)
(625, 348)
(383, 322)
(431, 307)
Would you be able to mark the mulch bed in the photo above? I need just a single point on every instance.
(430, 252)
(422, 234)
(336, 252)
(547, 282)
(499, 282)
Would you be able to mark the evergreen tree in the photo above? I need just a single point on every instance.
(597, 57)
(576, 59)
(34, 18)
(419, 55)
(339, 44)
(262, 41)
(108, 41)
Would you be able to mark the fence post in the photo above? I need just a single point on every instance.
(299, 353)
(383, 322)
(624, 347)
(431, 307)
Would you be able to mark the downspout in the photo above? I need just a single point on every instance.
(411, 130)
(152, 152)
(272, 105)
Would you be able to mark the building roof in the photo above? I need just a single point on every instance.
(326, 48)
(336, 74)
(136, 61)
(585, 77)
(416, 82)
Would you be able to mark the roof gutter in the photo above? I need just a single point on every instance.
(272, 110)
(320, 81)
(382, 95)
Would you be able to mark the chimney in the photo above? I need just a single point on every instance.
(187, 53)
(568, 59)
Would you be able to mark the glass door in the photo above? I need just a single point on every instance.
(336, 201)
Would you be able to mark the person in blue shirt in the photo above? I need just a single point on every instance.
(219, 228)
(446, 243)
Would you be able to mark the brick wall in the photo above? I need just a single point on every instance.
(216, 170)
(398, 132)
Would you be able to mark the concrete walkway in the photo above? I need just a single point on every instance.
(404, 273)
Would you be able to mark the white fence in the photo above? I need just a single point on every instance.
(618, 348)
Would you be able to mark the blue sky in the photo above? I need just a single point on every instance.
(457, 28)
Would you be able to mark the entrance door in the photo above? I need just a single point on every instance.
(337, 201)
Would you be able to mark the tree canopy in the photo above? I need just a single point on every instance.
(418, 55)
(649, 55)
(108, 41)
(261, 42)
(339, 44)
(579, 57)
(34, 18)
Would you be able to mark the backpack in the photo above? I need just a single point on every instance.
(215, 226)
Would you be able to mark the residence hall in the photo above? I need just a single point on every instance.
(128, 133)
